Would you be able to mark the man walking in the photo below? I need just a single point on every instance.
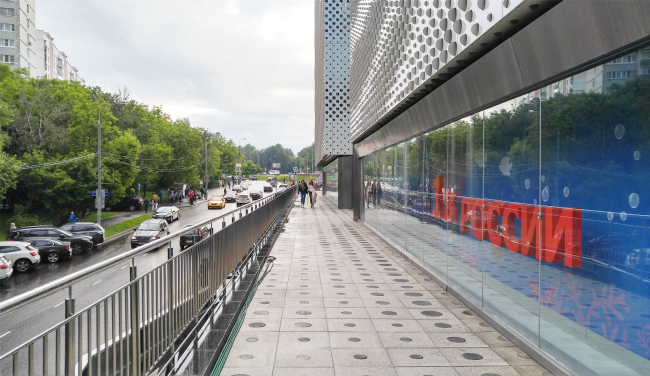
(146, 205)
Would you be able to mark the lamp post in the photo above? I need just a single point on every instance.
(240, 162)
(99, 194)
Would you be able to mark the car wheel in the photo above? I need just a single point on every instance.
(77, 249)
(132, 207)
(22, 265)
(53, 257)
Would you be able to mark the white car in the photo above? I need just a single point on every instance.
(21, 254)
(5, 268)
(282, 186)
(243, 198)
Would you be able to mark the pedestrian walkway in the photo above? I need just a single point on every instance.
(341, 301)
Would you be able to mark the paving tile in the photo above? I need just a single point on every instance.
(314, 340)
(303, 325)
(361, 357)
(303, 358)
(350, 325)
(354, 340)
(488, 370)
(456, 339)
(303, 372)
(247, 371)
(374, 371)
(421, 371)
(473, 357)
(515, 356)
(417, 357)
(494, 339)
(405, 340)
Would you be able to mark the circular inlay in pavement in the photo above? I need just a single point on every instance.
(421, 303)
(335, 273)
(339, 286)
(303, 313)
(394, 274)
(343, 302)
(364, 274)
(350, 325)
(456, 339)
(502, 338)
(246, 356)
(360, 356)
(337, 280)
(389, 313)
(416, 356)
(382, 302)
(368, 280)
(354, 339)
(385, 264)
(261, 312)
(376, 294)
(265, 302)
(523, 355)
(303, 357)
(252, 339)
(390, 269)
(444, 293)
(303, 324)
(401, 280)
(346, 312)
(373, 287)
(268, 293)
(270, 285)
(257, 325)
(406, 339)
(472, 356)
(397, 325)
(341, 293)
(304, 293)
(490, 374)
(484, 324)
(442, 325)
(468, 313)
(406, 287)
(304, 339)
(304, 302)
(431, 313)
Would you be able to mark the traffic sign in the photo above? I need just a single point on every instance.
(94, 193)
(295, 169)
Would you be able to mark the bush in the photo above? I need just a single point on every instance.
(22, 217)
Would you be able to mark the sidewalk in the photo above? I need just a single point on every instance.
(341, 301)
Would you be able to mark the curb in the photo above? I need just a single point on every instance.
(115, 238)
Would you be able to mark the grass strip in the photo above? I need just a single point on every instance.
(92, 217)
(126, 225)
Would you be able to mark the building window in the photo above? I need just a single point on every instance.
(645, 70)
(7, 43)
(645, 55)
(7, 27)
(8, 59)
(8, 12)
(624, 59)
(619, 74)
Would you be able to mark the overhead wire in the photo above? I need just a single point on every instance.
(59, 162)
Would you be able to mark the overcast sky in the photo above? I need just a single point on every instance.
(244, 68)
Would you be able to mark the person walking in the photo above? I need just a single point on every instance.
(302, 188)
(373, 190)
(368, 187)
(224, 191)
(171, 197)
(12, 229)
(161, 195)
(191, 197)
(72, 218)
(311, 191)
(146, 206)
(154, 202)
(379, 192)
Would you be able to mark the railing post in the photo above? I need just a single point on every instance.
(171, 327)
(70, 335)
(135, 321)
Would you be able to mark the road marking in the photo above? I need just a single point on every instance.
(124, 266)
(59, 304)
(2, 335)
(97, 282)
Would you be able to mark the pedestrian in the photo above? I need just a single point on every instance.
(302, 188)
(368, 187)
(12, 228)
(379, 192)
(224, 191)
(191, 197)
(72, 218)
(171, 197)
(154, 202)
(161, 195)
(146, 206)
(312, 190)
(373, 190)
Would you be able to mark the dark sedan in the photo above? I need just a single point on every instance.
(148, 231)
(78, 243)
(268, 187)
(256, 195)
(190, 238)
(231, 196)
(52, 250)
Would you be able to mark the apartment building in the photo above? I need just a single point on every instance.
(53, 63)
(18, 33)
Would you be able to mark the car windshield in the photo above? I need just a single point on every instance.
(149, 227)
(164, 210)
(67, 227)
(216, 198)
(65, 232)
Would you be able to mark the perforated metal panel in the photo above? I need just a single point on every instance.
(401, 50)
(332, 79)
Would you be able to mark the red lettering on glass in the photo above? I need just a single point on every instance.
(563, 236)
(465, 217)
(451, 206)
(510, 213)
(530, 230)
(479, 219)
(494, 211)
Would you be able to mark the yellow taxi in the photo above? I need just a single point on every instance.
(218, 202)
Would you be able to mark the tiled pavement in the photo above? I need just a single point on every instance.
(341, 301)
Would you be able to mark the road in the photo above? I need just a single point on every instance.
(27, 322)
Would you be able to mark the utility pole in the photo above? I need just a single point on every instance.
(99, 195)
(206, 164)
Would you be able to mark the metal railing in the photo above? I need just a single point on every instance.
(132, 329)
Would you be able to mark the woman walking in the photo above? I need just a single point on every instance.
(368, 194)
(380, 193)
(304, 190)
(311, 191)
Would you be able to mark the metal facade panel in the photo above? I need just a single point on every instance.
(401, 50)
(332, 76)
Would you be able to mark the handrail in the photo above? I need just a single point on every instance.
(40, 292)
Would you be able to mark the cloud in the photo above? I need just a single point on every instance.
(242, 68)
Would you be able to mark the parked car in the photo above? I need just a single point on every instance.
(167, 213)
(256, 194)
(78, 243)
(21, 254)
(91, 229)
(129, 202)
(283, 186)
(192, 237)
(237, 188)
(149, 230)
(51, 250)
(243, 199)
(253, 177)
(231, 196)
(5, 268)
(217, 202)
(268, 187)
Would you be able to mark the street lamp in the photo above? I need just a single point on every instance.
(243, 139)
(99, 194)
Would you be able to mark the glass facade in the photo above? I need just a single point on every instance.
(538, 210)
(331, 181)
